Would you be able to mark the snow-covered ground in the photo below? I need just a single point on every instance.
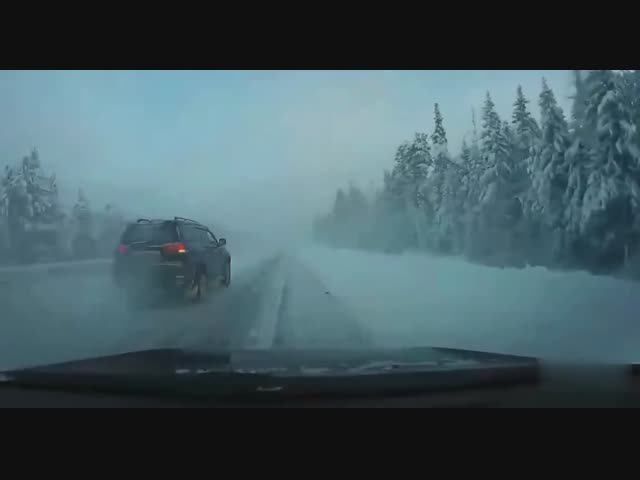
(413, 299)
(316, 297)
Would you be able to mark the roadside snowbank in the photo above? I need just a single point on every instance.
(413, 299)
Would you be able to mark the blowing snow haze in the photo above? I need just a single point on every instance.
(427, 231)
(258, 150)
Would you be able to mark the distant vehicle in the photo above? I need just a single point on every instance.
(179, 257)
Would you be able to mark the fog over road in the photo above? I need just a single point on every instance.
(50, 314)
(316, 297)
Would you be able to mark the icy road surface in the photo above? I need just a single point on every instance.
(417, 300)
(273, 301)
(318, 297)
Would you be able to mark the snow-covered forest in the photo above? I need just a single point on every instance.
(36, 226)
(558, 189)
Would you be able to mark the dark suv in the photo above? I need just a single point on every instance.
(179, 256)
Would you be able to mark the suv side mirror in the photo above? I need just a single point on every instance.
(222, 242)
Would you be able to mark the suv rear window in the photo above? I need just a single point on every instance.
(192, 233)
(155, 233)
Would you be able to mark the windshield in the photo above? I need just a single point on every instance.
(486, 210)
(148, 232)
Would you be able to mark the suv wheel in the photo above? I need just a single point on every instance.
(203, 286)
(226, 281)
(197, 289)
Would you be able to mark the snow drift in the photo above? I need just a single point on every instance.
(417, 300)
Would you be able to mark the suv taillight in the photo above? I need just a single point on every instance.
(123, 249)
(174, 248)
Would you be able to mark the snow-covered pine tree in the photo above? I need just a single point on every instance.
(110, 224)
(475, 139)
(340, 209)
(419, 163)
(525, 130)
(439, 136)
(515, 177)
(611, 200)
(336, 220)
(496, 210)
(550, 175)
(464, 193)
(439, 140)
(550, 166)
(474, 168)
(6, 189)
(465, 170)
(389, 214)
(579, 159)
(443, 186)
(396, 181)
(358, 208)
(82, 213)
(630, 86)
(28, 195)
(357, 202)
(401, 199)
(387, 182)
(578, 108)
(465, 153)
(30, 171)
(526, 134)
(399, 178)
(490, 125)
(348, 220)
(508, 139)
(451, 219)
(492, 142)
(440, 155)
(584, 178)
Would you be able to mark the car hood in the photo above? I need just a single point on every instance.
(278, 372)
(244, 374)
(283, 362)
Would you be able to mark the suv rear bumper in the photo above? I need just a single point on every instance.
(165, 275)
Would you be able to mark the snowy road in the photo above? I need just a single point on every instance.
(272, 302)
(317, 297)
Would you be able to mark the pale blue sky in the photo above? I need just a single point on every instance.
(263, 148)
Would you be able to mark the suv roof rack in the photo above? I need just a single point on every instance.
(182, 219)
(153, 220)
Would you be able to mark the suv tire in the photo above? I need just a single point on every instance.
(226, 281)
